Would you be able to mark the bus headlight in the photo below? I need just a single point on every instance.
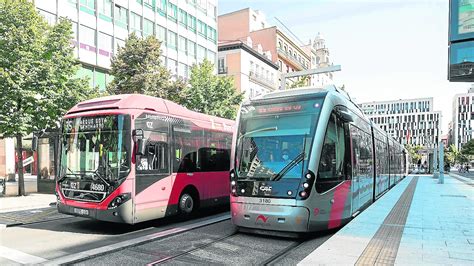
(232, 183)
(119, 200)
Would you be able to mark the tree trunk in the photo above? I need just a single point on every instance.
(21, 180)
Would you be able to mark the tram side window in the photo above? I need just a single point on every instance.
(333, 154)
(155, 159)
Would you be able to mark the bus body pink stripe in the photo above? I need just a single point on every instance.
(337, 208)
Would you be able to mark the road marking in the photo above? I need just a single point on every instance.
(82, 256)
(20, 257)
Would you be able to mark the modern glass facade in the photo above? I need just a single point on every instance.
(101, 26)
(461, 40)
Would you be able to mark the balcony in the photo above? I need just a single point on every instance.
(222, 70)
(262, 80)
(290, 58)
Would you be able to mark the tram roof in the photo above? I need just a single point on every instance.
(144, 102)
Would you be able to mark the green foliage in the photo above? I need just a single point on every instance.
(468, 148)
(137, 68)
(301, 82)
(211, 94)
(37, 68)
(413, 152)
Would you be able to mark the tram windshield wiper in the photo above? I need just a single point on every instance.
(288, 167)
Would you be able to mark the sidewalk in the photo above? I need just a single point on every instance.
(417, 222)
(31, 201)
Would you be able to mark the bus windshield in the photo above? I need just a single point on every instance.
(274, 140)
(96, 147)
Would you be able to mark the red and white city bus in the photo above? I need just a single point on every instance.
(132, 158)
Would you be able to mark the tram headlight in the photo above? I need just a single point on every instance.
(303, 194)
(308, 176)
(289, 192)
(305, 185)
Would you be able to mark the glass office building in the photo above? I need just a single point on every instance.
(186, 28)
(461, 41)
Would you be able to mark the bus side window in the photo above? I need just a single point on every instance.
(331, 170)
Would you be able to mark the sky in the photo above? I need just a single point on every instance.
(387, 49)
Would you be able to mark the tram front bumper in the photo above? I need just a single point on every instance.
(270, 217)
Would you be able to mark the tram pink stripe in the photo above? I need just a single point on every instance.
(337, 208)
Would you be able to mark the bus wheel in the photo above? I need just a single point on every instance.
(186, 204)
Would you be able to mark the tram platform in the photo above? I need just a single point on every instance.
(419, 221)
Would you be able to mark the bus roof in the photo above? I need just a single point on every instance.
(144, 102)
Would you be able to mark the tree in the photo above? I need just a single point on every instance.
(211, 94)
(468, 148)
(301, 82)
(37, 68)
(453, 155)
(413, 152)
(137, 68)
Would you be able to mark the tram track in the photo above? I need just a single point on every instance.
(198, 247)
(282, 253)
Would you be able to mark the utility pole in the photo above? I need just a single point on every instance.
(306, 72)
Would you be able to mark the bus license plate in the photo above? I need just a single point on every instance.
(81, 211)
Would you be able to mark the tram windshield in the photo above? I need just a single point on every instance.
(274, 141)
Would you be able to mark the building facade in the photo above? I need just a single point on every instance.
(186, 28)
(462, 118)
(252, 69)
(319, 54)
(410, 121)
(286, 52)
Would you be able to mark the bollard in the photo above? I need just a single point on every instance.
(441, 163)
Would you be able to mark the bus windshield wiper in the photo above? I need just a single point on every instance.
(65, 175)
(288, 167)
(97, 173)
(258, 130)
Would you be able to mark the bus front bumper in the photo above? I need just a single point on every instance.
(120, 214)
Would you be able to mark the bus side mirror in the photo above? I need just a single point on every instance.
(141, 147)
(34, 143)
(141, 143)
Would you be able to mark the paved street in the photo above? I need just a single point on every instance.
(200, 240)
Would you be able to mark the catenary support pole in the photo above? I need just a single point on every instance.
(441, 163)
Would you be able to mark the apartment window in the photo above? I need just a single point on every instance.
(162, 7)
(192, 23)
(161, 34)
(105, 10)
(183, 17)
(202, 28)
(149, 3)
(105, 44)
(221, 64)
(172, 40)
(192, 48)
(172, 66)
(201, 53)
(172, 12)
(87, 35)
(211, 56)
(183, 44)
(118, 43)
(211, 10)
(182, 70)
(121, 16)
(136, 23)
(211, 34)
(147, 27)
(88, 6)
